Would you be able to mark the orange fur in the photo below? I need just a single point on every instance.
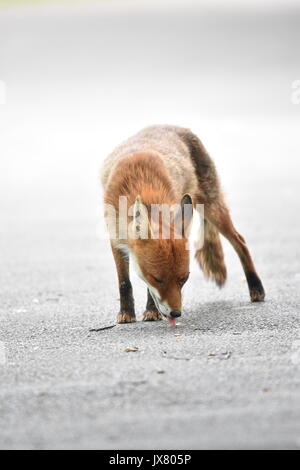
(141, 173)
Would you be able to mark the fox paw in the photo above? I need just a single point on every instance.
(257, 294)
(256, 289)
(125, 317)
(152, 315)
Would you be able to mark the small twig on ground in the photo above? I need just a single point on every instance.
(103, 328)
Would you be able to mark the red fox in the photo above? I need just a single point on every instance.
(168, 165)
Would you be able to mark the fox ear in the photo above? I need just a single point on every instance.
(187, 213)
(183, 218)
(187, 200)
(140, 220)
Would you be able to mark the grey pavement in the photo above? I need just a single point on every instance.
(228, 376)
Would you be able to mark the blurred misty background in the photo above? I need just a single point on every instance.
(82, 76)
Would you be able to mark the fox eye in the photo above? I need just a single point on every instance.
(157, 280)
(183, 279)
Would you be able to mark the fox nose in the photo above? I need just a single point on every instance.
(175, 314)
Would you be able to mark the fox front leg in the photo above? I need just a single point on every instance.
(151, 313)
(126, 313)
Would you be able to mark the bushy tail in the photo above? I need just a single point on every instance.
(211, 257)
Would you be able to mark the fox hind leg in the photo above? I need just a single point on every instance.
(220, 218)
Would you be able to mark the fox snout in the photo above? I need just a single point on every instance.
(168, 299)
(175, 314)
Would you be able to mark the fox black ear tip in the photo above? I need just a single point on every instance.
(187, 199)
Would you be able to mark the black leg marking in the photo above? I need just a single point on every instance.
(256, 289)
(127, 313)
(151, 313)
(126, 297)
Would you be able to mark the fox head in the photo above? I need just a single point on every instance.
(162, 262)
